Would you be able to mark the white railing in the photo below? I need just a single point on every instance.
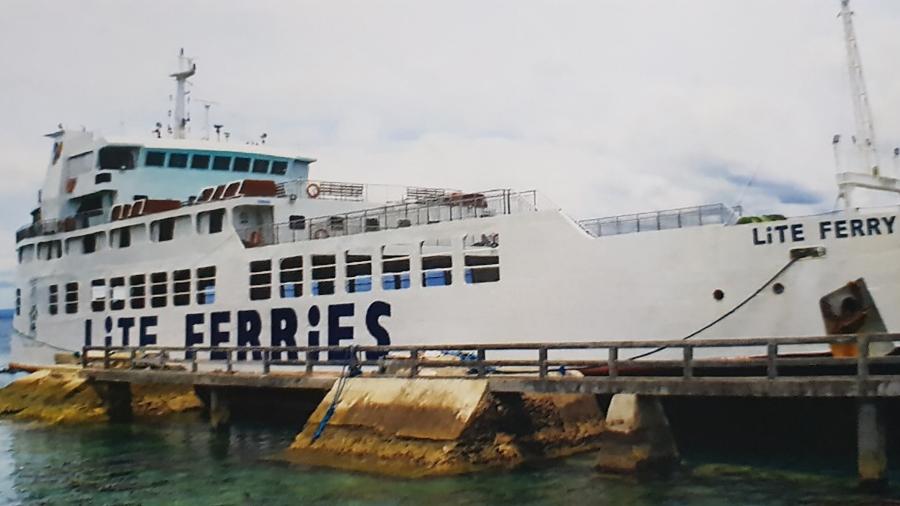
(713, 214)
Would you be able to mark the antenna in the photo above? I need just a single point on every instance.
(186, 68)
(206, 106)
(862, 112)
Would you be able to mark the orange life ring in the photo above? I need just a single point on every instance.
(255, 239)
(320, 234)
(313, 189)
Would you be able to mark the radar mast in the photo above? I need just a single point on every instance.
(186, 68)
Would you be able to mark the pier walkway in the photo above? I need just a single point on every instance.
(773, 368)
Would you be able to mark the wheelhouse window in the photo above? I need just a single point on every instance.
(221, 163)
(324, 272)
(49, 250)
(395, 267)
(117, 293)
(279, 167)
(53, 299)
(241, 164)
(178, 160)
(358, 272)
(481, 258)
(206, 285)
(159, 289)
(181, 287)
(137, 294)
(260, 166)
(199, 161)
(437, 263)
(155, 159)
(98, 295)
(260, 280)
(290, 278)
(118, 157)
(71, 297)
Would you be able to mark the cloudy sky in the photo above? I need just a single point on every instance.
(606, 106)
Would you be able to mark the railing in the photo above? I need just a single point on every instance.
(452, 207)
(713, 214)
(410, 359)
(70, 224)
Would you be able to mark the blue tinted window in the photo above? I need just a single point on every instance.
(178, 160)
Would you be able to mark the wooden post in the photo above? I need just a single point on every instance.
(413, 363)
(771, 358)
(542, 362)
(481, 369)
(871, 445)
(688, 361)
(611, 362)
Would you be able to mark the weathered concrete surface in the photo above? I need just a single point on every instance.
(440, 426)
(638, 439)
(61, 395)
(871, 445)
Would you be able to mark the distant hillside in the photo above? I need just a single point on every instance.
(6, 314)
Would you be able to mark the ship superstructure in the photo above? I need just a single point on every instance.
(172, 241)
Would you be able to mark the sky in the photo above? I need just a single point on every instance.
(604, 106)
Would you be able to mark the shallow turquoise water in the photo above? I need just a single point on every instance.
(180, 461)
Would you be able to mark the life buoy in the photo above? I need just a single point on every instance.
(255, 239)
(313, 189)
(320, 234)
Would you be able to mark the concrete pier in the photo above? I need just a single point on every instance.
(871, 445)
(638, 438)
(219, 409)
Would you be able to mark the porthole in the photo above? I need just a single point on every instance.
(778, 288)
(718, 294)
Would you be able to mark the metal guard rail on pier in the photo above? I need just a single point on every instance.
(479, 365)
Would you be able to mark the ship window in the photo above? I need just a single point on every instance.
(71, 297)
(158, 289)
(200, 161)
(89, 244)
(260, 280)
(18, 301)
(49, 250)
(138, 292)
(155, 159)
(260, 166)
(98, 295)
(241, 164)
(26, 253)
(181, 287)
(359, 272)
(121, 237)
(221, 163)
(279, 167)
(53, 299)
(178, 160)
(395, 267)
(117, 294)
(291, 277)
(211, 222)
(163, 230)
(297, 222)
(118, 157)
(481, 258)
(324, 271)
(437, 262)
(206, 285)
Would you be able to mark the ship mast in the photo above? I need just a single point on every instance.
(870, 176)
(862, 111)
(186, 68)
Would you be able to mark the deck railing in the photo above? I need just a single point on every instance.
(712, 214)
(609, 359)
(453, 207)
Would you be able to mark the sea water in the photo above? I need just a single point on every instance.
(181, 461)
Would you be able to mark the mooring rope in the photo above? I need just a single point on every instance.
(727, 314)
(347, 371)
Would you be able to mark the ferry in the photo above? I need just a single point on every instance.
(171, 241)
